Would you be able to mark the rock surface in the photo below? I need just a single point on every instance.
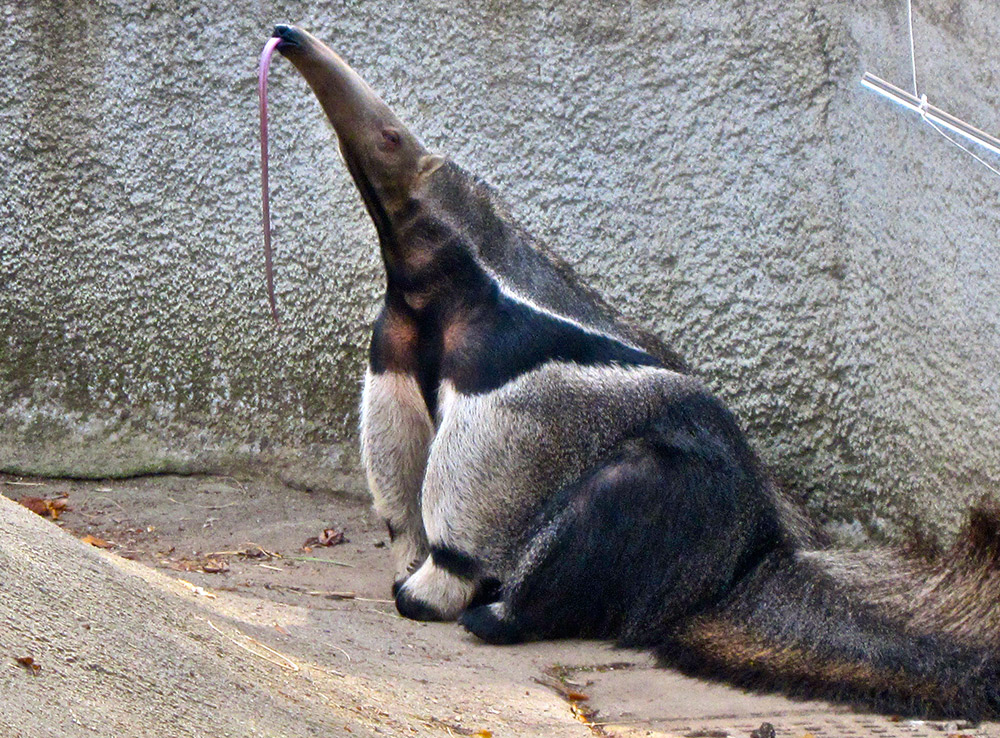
(823, 259)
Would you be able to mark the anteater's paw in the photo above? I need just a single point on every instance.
(489, 624)
(414, 608)
(433, 593)
(403, 577)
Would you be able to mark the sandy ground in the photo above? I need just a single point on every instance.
(208, 614)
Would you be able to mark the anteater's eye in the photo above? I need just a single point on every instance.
(390, 137)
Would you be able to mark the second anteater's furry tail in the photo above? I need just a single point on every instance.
(791, 626)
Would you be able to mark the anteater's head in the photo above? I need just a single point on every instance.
(388, 163)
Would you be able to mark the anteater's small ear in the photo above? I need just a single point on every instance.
(428, 164)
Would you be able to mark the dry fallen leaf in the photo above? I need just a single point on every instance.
(281, 629)
(584, 714)
(329, 537)
(35, 504)
(214, 566)
(55, 507)
(28, 663)
(95, 541)
(47, 507)
(483, 734)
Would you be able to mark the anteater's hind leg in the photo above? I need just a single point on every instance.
(659, 530)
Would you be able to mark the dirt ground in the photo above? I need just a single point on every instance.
(318, 618)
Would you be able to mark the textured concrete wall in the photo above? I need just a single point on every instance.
(825, 261)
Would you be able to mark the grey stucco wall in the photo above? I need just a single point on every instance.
(826, 262)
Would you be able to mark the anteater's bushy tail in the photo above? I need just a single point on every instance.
(907, 635)
(956, 593)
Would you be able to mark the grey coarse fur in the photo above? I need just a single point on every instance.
(822, 260)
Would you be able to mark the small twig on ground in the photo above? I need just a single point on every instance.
(12, 483)
(203, 507)
(238, 484)
(349, 659)
(321, 561)
(331, 672)
(289, 664)
(383, 613)
(196, 590)
(328, 594)
(112, 500)
(86, 515)
(248, 552)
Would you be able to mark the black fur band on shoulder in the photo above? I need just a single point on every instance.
(455, 562)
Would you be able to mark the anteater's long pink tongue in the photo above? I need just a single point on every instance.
(265, 61)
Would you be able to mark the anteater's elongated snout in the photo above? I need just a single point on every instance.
(349, 103)
(386, 161)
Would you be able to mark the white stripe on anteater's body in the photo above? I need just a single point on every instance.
(396, 433)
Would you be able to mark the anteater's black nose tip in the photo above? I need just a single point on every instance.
(289, 35)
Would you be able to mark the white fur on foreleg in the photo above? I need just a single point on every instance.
(396, 433)
(434, 594)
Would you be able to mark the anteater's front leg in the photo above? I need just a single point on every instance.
(396, 432)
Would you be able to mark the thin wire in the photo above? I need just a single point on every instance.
(968, 151)
(923, 98)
